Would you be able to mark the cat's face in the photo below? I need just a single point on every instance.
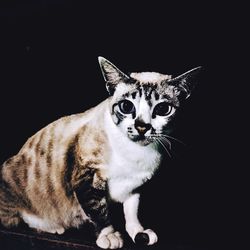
(143, 104)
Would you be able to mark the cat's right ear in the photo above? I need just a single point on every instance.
(112, 75)
(186, 82)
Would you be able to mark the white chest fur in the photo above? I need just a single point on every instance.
(129, 171)
(130, 164)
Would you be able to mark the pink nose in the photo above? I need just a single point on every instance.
(142, 127)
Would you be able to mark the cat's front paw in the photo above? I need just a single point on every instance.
(109, 238)
(146, 237)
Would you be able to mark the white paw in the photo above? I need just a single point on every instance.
(153, 238)
(59, 230)
(146, 237)
(112, 240)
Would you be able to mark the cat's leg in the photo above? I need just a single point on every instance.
(133, 226)
(9, 218)
(9, 215)
(93, 199)
(97, 209)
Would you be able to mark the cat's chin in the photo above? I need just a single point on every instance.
(141, 140)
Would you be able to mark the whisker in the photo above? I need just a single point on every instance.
(171, 137)
(164, 147)
(164, 139)
(167, 141)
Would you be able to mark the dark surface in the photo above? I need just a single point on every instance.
(24, 238)
(49, 69)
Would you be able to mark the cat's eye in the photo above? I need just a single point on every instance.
(126, 107)
(162, 109)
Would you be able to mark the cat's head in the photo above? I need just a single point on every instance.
(143, 104)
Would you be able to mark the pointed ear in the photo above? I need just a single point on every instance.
(186, 82)
(112, 75)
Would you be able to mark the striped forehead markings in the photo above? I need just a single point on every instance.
(157, 96)
(134, 94)
(147, 90)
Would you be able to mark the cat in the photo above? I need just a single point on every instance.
(67, 173)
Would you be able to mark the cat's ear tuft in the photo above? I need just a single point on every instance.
(186, 82)
(112, 75)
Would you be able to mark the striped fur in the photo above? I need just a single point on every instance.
(66, 173)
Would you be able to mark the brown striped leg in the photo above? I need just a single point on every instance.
(9, 216)
(95, 205)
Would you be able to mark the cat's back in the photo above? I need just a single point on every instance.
(58, 132)
(47, 147)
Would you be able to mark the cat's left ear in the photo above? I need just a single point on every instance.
(185, 83)
(112, 75)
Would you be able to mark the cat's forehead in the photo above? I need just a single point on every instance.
(151, 86)
(150, 77)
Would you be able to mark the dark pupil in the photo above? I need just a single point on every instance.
(126, 107)
(162, 109)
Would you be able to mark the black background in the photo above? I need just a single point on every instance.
(49, 69)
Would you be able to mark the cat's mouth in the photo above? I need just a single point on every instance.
(141, 139)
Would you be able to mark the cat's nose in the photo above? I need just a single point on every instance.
(142, 127)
